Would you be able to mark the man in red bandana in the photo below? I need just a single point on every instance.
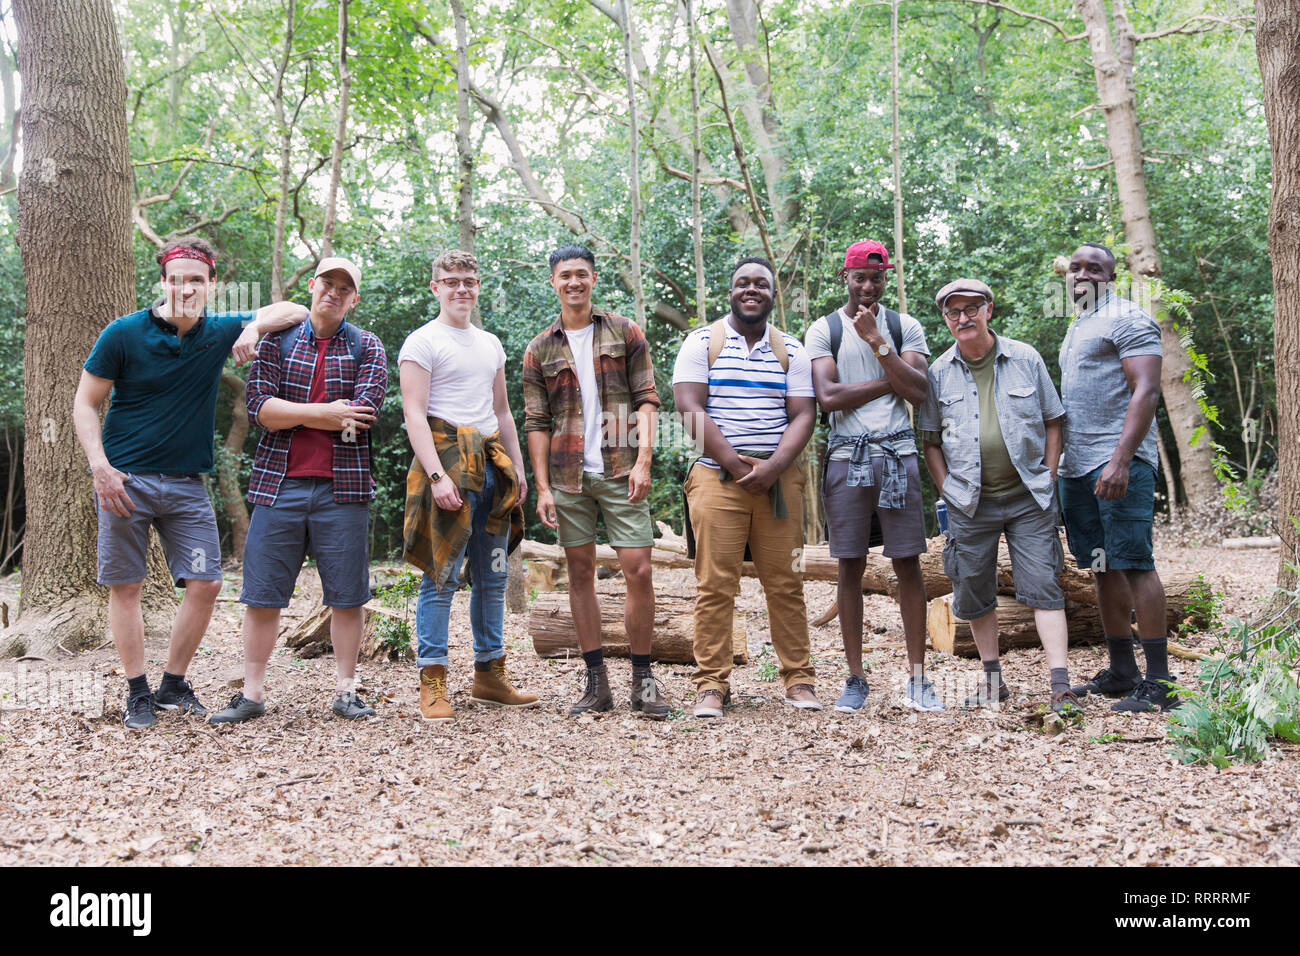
(163, 365)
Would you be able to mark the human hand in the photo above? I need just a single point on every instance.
(445, 494)
(111, 492)
(760, 477)
(546, 508)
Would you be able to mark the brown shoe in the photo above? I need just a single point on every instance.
(709, 703)
(434, 704)
(598, 697)
(802, 697)
(492, 686)
(647, 696)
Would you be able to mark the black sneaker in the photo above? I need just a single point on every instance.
(239, 710)
(1107, 683)
(1066, 704)
(139, 712)
(179, 696)
(1150, 695)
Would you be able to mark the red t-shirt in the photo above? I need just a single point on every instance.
(311, 450)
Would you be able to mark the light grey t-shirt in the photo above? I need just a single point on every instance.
(858, 363)
(1093, 387)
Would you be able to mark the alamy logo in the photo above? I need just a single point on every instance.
(75, 909)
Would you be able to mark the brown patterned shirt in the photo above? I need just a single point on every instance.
(625, 378)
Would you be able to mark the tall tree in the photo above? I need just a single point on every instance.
(1277, 42)
(340, 136)
(74, 230)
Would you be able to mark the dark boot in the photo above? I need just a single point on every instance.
(597, 698)
(646, 695)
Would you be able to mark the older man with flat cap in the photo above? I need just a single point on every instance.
(315, 391)
(991, 427)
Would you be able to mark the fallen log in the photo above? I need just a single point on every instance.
(1238, 544)
(311, 636)
(550, 623)
(951, 635)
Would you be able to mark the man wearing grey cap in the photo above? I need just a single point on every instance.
(315, 391)
(991, 427)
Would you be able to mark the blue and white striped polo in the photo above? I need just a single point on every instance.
(747, 389)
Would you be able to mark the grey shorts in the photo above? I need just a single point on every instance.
(178, 506)
(306, 519)
(849, 507)
(970, 555)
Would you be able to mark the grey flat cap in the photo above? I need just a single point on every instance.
(965, 286)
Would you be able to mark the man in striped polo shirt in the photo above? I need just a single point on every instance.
(745, 392)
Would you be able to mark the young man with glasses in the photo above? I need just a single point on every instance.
(465, 487)
(868, 365)
(163, 365)
(991, 425)
(589, 393)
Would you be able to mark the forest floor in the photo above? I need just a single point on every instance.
(765, 784)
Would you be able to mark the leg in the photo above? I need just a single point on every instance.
(911, 604)
(776, 545)
(985, 632)
(191, 623)
(339, 536)
(581, 562)
(903, 530)
(1052, 631)
(187, 529)
(126, 622)
(639, 614)
(432, 616)
(487, 560)
(1115, 599)
(346, 626)
(848, 599)
(722, 518)
(261, 629)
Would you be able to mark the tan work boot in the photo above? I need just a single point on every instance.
(492, 686)
(434, 704)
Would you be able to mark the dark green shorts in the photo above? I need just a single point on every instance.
(628, 525)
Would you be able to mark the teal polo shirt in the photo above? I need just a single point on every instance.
(164, 404)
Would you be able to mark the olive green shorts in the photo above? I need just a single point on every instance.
(628, 525)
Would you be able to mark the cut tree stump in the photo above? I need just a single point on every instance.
(1016, 627)
(551, 625)
(311, 636)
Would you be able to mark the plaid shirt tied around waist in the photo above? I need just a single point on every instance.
(434, 537)
(361, 384)
(625, 379)
(893, 481)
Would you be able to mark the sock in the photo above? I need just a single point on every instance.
(137, 686)
(484, 666)
(1060, 679)
(641, 661)
(594, 658)
(345, 685)
(1122, 661)
(1156, 651)
(171, 681)
(992, 667)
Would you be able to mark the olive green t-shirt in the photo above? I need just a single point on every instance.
(998, 475)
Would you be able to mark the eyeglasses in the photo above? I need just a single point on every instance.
(952, 315)
(454, 284)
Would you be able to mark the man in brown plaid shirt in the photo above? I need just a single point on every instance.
(590, 415)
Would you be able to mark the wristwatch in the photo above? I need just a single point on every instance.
(885, 349)
(435, 477)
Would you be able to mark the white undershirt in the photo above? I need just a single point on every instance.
(580, 344)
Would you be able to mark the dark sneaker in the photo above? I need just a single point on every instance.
(1150, 695)
(648, 696)
(1107, 683)
(985, 696)
(597, 698)
(1066, 704)
(350, 707)
(179, 696)
(139, 712)
(239, 710)
(854, 697)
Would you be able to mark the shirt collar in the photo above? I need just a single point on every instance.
(998, 352)
(764, 343)
(597, 315)
(311, 330)
(167, 326)
(1101, 303)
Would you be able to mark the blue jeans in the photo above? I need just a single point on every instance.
(485, 556)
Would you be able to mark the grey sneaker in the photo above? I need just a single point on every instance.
(238, 710)
(349, 706)
(920, 695)
(139, 712)
(179, 697)
(854, 697)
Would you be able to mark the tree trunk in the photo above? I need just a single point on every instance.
(285, 130)
(1112, 61)
(634, 168)
(464, 155)
(74, 218)
(232, 498)
(898, 158)
(1277, 39)
(340, 134)
(697, 219)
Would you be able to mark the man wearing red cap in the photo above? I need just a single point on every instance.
(315, 392)
(163, 365)
(868, 363)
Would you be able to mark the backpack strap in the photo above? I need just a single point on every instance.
(289, 338)
(717, 339)
(776, 342)
(895, 323)
(356, 345)
(836, 325)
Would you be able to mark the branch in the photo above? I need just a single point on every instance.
(1242, 22)
(1054, 24)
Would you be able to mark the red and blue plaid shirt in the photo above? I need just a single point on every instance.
(363, 386)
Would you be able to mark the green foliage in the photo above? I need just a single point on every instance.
(765, 664)
(395, 633)
(1204, 605)
(1244, 699)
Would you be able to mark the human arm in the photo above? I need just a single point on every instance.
(358, 412)
(1054, 442)
(509, 434)
(936, 463)
(905, 371)
(538, 424)
(91, 392)
(645, 399)
(638, 481)
(836, 396)
(763, 472)
(275, 317)
(414, 381)
(692, 399)
(1143, 375)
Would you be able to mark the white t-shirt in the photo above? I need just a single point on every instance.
(858, 363)
(747, 388)
(580, 344)
(462, 366)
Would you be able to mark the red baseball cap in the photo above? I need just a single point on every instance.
(858, 256)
